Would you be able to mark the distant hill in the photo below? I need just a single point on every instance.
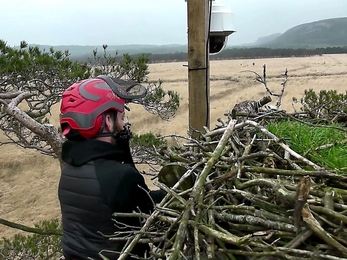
(266, 39)
(319, 34)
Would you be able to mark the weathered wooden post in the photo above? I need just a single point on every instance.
(198, 64)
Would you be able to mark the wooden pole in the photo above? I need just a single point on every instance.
(198, 65)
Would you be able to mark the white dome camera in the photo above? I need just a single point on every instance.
(222, 25)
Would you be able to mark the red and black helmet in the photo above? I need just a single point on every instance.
(84, 102)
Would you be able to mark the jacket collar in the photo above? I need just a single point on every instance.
(77, 153)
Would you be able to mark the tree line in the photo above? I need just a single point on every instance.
(237, 53)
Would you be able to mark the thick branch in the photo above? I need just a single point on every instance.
(46, 132)
(29, 229)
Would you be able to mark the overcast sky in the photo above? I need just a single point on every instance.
(116, 22)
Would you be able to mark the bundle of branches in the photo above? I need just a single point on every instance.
(243, 194)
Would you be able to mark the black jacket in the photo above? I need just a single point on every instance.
(95, 182)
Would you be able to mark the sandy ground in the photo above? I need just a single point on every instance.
(28, 180)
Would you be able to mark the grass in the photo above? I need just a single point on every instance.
(309, 141)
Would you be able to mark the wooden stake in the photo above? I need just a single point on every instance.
(198, 65)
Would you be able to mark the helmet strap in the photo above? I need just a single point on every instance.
(102, 128)
(125, 134)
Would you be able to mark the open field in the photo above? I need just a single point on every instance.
(28, 180)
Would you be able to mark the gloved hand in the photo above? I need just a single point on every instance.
(124, 145)
(122, 137)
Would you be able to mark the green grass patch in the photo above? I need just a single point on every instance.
(309, 141)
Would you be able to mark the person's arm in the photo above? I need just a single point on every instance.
(136, 195)
(157, 195)
(123, 144)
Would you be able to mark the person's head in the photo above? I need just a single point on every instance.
(94, 108)
(113, 124)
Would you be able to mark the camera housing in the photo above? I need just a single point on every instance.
(221, 26)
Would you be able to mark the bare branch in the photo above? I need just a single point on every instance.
(263, 80)
(28, 229)
(24, 127)
(10, 95)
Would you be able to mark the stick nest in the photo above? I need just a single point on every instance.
(252, 197)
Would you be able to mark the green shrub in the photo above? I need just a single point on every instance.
(323, 104)
(33, 246)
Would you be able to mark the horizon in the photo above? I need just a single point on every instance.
(177, 44)
(155, 22)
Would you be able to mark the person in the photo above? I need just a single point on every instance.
(99, 176)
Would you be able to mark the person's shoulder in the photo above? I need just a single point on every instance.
(119, 170)
(112, 164)
(131, 173)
